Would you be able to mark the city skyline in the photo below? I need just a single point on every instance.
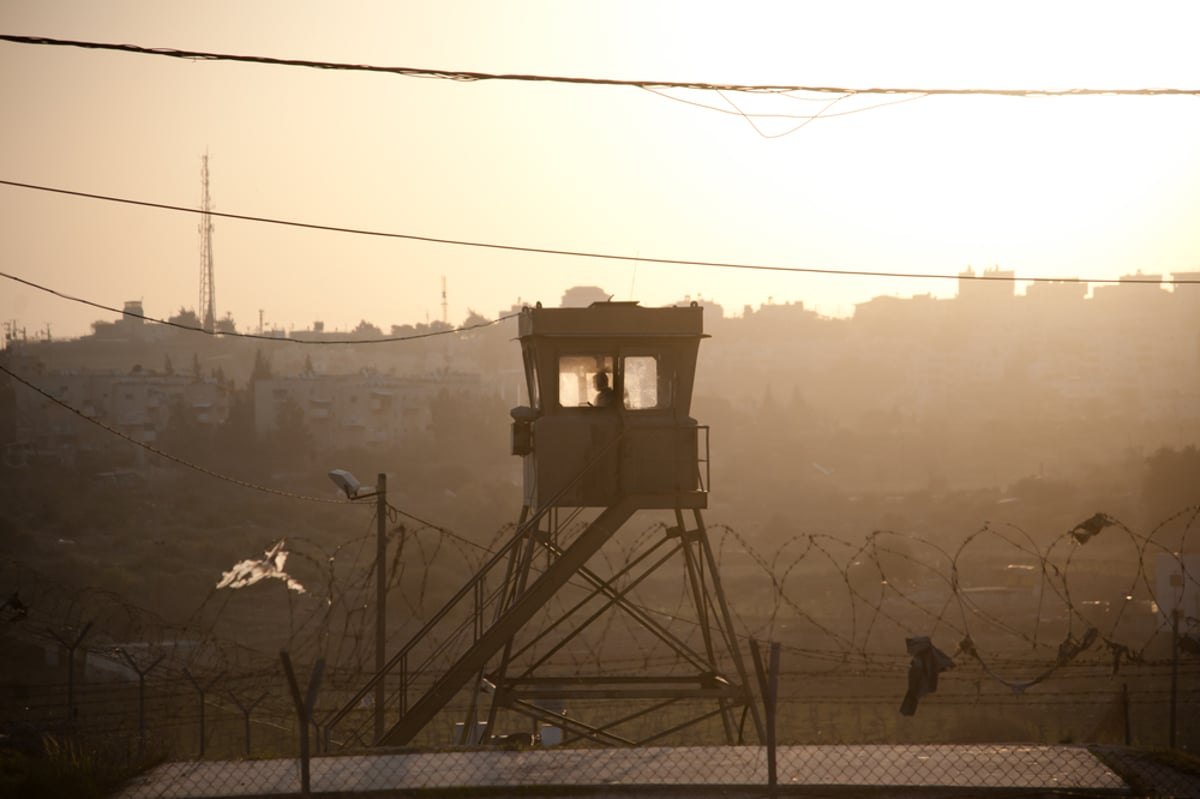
(991, 281)
(1050, 382)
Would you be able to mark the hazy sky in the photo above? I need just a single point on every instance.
(1083, 186)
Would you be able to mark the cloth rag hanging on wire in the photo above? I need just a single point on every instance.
(927, 663)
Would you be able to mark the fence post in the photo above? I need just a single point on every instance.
(773, 715)
(202, 689)
(768, 683)
(246, 711)
(1125, 713)
(141, 673)
(71, 647)
(304, 709)
(1174, 676)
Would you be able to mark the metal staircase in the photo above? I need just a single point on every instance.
(482, 648)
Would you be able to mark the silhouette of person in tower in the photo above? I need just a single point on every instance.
(605, 396)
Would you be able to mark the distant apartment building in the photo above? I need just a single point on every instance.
(1133, 346)
(139, 405)
(989, 286)
(1132, 349)
(1126, 357)
(357, 410)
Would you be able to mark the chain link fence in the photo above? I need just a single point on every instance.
(834, 729)
(1088, 670)
(1012, 769)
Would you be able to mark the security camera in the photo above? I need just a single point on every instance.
(346, 482)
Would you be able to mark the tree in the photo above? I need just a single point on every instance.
(236, 438)
(291, 442)
(769, 408)
(261, 369)
(182, 434)
(583, 296)
(474, 319)
(186, 318)
(1171, 483)
(8, 410)
(366, 330)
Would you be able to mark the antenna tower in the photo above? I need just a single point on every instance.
(208, 300)
(445, 315)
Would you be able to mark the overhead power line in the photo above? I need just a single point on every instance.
(466, 76)
(640, 259)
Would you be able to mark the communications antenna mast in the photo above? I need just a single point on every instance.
(445, 315)
(208, 300)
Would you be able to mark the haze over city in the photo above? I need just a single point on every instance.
(1091, 187)
(797, 394)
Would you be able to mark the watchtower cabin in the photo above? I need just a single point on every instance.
(610, 388)
(529, 641)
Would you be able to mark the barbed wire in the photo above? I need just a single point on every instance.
(839, 608)
(864, 606)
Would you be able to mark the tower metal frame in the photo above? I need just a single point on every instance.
(519, 642)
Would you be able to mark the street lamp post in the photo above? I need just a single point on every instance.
(380, 596)
(353, 490)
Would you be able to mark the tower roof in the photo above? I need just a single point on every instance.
(613, 320)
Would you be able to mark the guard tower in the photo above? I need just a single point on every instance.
(551, 631)
(611, 388)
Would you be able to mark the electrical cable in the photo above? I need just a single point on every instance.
(809, 117)
(597, 255)
(808, 120)
(470, 77)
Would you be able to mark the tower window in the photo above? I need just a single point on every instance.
(643, 387)
(581, 377)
